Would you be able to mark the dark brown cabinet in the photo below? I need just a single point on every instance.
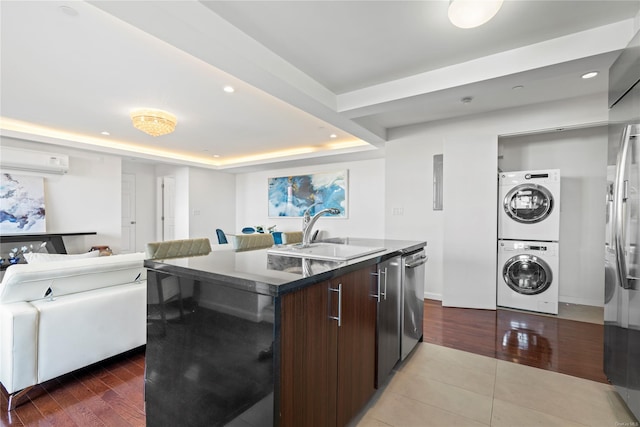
(328, 334)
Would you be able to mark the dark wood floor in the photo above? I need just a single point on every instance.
(106, 394)
(111, 393)
(546, 342)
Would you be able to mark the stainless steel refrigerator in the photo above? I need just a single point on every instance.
(622, 254)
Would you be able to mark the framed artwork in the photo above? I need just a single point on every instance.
(21, 204)
(290, 196)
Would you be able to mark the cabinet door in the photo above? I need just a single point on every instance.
(308, 362)
(356, 342)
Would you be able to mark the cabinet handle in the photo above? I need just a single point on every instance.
(339, 291)
(377, 296)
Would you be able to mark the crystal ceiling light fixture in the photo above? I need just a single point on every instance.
(472, 13)
(153, 122)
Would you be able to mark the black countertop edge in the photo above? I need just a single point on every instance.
(239, 283)
(277, 290)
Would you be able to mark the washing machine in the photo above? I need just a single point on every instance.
(529, 205)
(528, 275)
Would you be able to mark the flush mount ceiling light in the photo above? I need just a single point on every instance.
(472, 13)
(154, 122)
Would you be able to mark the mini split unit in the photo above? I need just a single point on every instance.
(19, 159)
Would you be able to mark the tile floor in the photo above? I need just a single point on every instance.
(440, 386)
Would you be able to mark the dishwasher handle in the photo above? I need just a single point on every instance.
(420, 261)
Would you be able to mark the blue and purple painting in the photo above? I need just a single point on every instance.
(290, 196)
(21, 204)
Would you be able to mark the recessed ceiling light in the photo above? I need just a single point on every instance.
(590, 75)
(216, 155)
(228, 89)
(466, 100)
(68, 11)
(105, 133)
(518, 87)
(333, 135)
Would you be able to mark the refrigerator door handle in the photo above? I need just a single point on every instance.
(385, 283)
(620, 197)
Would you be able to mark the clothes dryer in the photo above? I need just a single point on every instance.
(528, 275)
(529, 205)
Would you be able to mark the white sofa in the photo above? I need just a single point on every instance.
(98, 310)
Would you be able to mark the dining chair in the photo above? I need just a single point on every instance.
(222, 238)
(247, 242)
(169, 287)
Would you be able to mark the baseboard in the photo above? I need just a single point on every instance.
(581, 301)
(432, 295)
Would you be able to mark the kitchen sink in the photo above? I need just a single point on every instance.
(325, 251)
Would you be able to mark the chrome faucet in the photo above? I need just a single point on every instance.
(308, 222)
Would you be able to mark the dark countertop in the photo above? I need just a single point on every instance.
(259, 272)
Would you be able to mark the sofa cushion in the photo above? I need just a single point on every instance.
(29, 282)
(36, 257)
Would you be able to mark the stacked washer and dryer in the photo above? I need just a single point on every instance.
(528, 234)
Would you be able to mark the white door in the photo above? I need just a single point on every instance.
(128, 234)
(168, 208)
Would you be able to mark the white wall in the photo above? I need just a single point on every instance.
(409, 160)
(212, 202)
(470, 193)
(366, 193)
(581, 156)
(86, 199)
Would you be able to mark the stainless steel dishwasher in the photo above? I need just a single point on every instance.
(412, 304)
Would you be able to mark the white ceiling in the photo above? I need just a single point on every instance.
(301, 69)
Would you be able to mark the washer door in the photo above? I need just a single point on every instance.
(527, 274)
(528, 203)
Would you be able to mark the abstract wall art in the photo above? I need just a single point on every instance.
(21, 204)
(290, 196)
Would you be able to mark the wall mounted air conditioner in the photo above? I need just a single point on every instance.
(20, 159)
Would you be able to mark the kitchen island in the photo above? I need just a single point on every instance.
(250, 338)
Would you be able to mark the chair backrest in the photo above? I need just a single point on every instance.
(178, 248)
(277, 237)
(244, 242)
(222, 238)
(289, 237)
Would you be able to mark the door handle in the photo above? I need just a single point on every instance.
(621, 189)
